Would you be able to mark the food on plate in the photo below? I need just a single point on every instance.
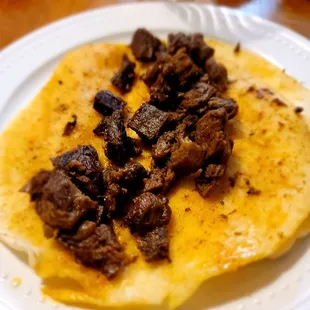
(125, 77)
(154, 167)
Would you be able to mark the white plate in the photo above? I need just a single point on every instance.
(25, 67)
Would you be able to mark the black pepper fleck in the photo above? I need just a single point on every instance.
(237, 48)
(267, 91)
(251, 89)
(299, 110)
(253, 191)
(279, 102)
(224, 217)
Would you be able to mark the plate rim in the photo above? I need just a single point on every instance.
(39, 31)
(24, 40)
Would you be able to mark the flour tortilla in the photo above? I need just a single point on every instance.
(219, 234)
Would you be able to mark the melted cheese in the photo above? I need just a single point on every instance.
(222, 233)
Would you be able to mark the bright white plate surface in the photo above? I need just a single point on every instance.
(25, 67)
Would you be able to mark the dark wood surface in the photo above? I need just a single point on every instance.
(19, 17)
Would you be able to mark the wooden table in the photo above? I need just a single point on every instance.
(18, 17)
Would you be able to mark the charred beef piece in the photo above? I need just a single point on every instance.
(106, 103)
(83, 159)
(179, 71)
(171, 141)
(100, 128)
(149, 122)
(169, 76)
(119, 147)
(164, 146)
(217, 74)
(114, 193)
(184, 156)
(154, 245)
(111, 174)
(194, 45)
(82, 232)
(113, 196)
(209, 178)
(133, 175)
(70, 126)
(121, 184)
(124, 79)
(95, 247)
(153, 71)
(160, 180)
(82, 165)
(198, 97)
(175, 118)
(148, 216)
(213, 172)
(209, 133)
(62, 204)
(187, 126)
(147, 212)
(35, 185)
(228, 104)
(145, 46)
(187, 158)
